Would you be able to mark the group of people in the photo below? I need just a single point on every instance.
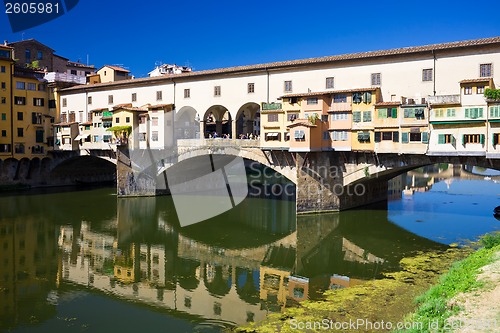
(242, 136)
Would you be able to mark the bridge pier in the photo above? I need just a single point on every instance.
(320, 185)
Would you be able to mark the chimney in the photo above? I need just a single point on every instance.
(5, 42)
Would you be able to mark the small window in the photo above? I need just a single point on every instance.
(485, 70)
(159, 95)
(154, 136)
(110, 99)
(117, 120)
(127, 120)
(187, 93)
(134, 97)
(73, 72)
(38, 101)
(2, 69)
(42, 87)
(299, 135)
(20, 85)
(288, 86)
(4, 100)
(89, 100)
(154, 121)
(427, 74)
(339, 98)
(4, 133)
(20, 116)
(18, 100)
(3, 85)
(329, 83)
(480, 89)
(375, 78)
(64, 102)
(4, 116)
(251, 88)
(20, 132)
(217, 91)
(39, 55)
(272, 117)
(467, 90)
(312, 101)
(32, 86)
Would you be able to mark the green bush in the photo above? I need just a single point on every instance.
(490, 240)
(492, 93)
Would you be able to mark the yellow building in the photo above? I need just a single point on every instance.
(31, 121)
(126, 116)
(386, 123)
(273, 120)
(363, 102)
(6, 64)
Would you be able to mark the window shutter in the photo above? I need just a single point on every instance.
(367, 97)
(453, 141)
(404, 137)
(480, 112)
(481, 139)
(425, 137)
(406, 113)
(495, 139)
(441, 139)
(378, 136)
(395, 136)
(394, 112)
(33, 117)
(467, 113)
(463, 139)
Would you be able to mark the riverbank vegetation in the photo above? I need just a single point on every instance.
(388, 301)
(436, 306)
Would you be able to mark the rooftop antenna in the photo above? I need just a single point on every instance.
(87, 59)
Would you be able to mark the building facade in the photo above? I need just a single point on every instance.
(382, 101)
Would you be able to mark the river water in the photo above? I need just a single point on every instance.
(84, 261)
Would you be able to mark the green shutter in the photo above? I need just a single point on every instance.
(441, 139)
(378, 136)
(425, 137)
(463, 139)
(480, 112)
(406, 113)
(382, 113)
(481, 139)
(453, 141)
(467, 113)
(33, 117)
(394, 112)
(367, 116)
(367, 97)
(39, 136)
(356, 116)
(404, 137)
(395, 136)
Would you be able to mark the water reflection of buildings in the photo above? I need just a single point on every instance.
(27, 269)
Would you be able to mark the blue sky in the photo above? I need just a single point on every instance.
(213, 34)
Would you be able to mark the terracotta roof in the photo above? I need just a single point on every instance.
(309, 61)
(116, 68)
(483, 79)
(123, 105)
(301, 123)
(322, 93)
(86, 123)
(392, 103)
(345, 110)
(66, 124)
(100, 109)
(128, 108)
(158, 106)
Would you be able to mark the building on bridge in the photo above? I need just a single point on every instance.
(378, 101)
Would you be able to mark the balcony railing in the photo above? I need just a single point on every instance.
(64, 77)
(444, 99)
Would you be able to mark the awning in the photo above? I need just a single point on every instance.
(272, 135)
(81, 137)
